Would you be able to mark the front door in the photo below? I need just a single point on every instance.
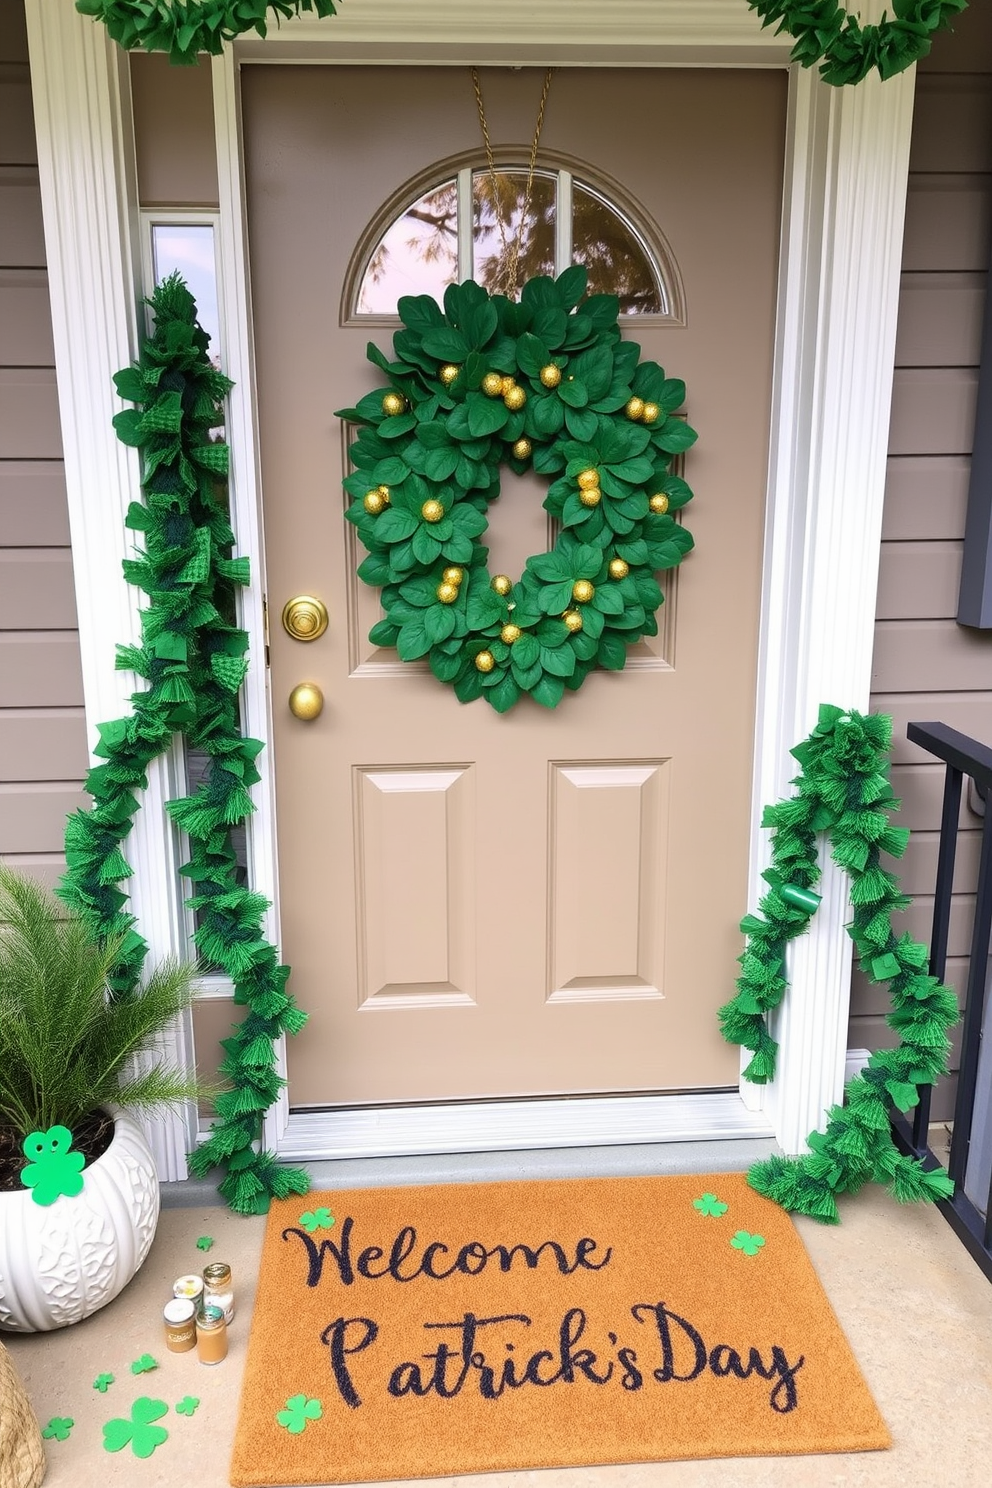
(477, 905)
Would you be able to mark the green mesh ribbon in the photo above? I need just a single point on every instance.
(193, 656)
(185, 27)
(826, 33)
(844, 792)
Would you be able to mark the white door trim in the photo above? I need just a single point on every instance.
(845, 185)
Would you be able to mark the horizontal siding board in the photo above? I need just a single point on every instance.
(940, 320)
(17, 146)
(918, 580)
(32, 817)
(29, 414)
(965, 45)
(929, 656)
(42, 745)
(871, 1032)
(933, 411)
(952, 125)
(34, 512)
(917, 869)
(968, 712)
(925, 497)
(36, 589)
(40, 671)
(47, 868)
(22, 233)
(13, 33)
(25, 319)
(921, 790)
(948, 224)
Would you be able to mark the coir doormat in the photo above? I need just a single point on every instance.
(420, 1332)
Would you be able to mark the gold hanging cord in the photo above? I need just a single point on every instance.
(511, 253)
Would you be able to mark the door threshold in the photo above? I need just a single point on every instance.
(519, 1125)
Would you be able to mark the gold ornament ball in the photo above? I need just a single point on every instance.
(492, 385)
(374, 502)
(453, 576)
(502, 584)
(508, 383)
(447, 593)
(591, 497)
(449, 374)
(384, 493)
(432, 511)
(634, 408)
(659, 503)
(551, 375)
(393, 403)
(573, 620)
(522, 449)
(651, 412)
(485, 661)
(582, 591)
(514, 398)
(619, 569)
(588, 479)
(510, 633)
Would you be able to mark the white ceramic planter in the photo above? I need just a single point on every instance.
(61, 1262)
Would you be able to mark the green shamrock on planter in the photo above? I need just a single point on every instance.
(710, 1204)
(59, 1428)
(299, 1410)
(54, 1170)
(137, 1429)
(317, 1219)
(749, 1244)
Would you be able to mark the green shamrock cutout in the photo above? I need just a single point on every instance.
(144, 1365)
(187, 1405)
(205, 1242)
(137, 1429)
(749, 1244)
(54, 1170)
(299, 1410)
(710, 1204)
(59, 1428)
(317, 1219)
(103, 1383)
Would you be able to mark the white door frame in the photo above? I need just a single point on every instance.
(847, 156)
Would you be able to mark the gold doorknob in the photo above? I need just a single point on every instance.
(304, 618)
(306, 701)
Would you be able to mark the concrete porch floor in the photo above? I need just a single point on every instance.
(915, 1307)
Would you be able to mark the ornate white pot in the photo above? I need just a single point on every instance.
(61, 1262)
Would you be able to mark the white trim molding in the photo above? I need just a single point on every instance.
(844, 199)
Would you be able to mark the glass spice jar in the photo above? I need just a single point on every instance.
(180, 1325)
(217, 1288)
(211, 1335)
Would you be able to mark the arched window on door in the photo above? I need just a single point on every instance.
(443, 228)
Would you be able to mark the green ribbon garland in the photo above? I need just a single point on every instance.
(825, 32)
(194, 658)
(844, 792)
(183, 28)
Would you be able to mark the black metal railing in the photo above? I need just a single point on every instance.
(962, 757)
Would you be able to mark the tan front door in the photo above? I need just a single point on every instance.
(478, 905)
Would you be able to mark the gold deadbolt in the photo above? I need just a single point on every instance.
(304, 618)
(306, 701)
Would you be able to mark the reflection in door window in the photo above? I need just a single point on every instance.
(492, 252)
(189, 248)
(617, 261)
(417, 254)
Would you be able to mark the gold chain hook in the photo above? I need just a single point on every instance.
(511, 253)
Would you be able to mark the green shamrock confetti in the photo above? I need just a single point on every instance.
(54, 1170)
(710, 1204)
(187, 1405)
(299, 1410)
(103, 1383)
(317, 1219)
(749, 1244)
(137, 1429)
(144, 1364)
(205, 1242)
(59, 1428)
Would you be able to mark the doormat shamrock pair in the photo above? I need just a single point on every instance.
(421, 1332)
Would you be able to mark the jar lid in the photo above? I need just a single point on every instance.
(179, 1310)
(210, 1317)
(188, 1286)
(217, 1271)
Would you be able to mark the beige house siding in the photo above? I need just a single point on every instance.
(42, 733)
(925, 665)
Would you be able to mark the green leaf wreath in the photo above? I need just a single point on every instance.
(827, 33)
(550, 383)
(193, 656)
(843, 791)
(183, 28)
